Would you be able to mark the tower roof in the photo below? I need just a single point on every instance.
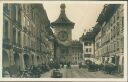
(62, 19)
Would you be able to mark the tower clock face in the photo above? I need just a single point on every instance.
(63, 35)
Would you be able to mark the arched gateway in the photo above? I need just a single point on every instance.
(63, 32)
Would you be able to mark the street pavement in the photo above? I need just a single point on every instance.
(75, 72)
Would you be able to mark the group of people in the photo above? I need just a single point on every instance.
(68, 65)
(108, 68)
(29, 71)
(36, 71)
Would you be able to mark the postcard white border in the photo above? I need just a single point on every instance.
(68, 79)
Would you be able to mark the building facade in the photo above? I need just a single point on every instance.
(88, 45)
(98, 47)
(26, 34)
(88, 49)
(76, 52)
(107, 36)
(110, 37)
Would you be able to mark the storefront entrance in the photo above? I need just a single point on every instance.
(26, 60)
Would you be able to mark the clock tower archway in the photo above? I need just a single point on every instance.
(63, 33)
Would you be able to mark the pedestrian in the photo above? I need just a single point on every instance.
(80, 64)
(62, 65)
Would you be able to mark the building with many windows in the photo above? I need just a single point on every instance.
(107, 37)
(110, 39)
(88, 45)
(26, 36)
(76, 52)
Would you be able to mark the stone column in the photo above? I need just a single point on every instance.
(6, 60)
(22, 65)
(9, 57)
(11, 54)
(121, 63)
(30, 58)
(35, 60)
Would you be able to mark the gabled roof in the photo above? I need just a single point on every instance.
(62, 19)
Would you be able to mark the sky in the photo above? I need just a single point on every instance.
(83, 15)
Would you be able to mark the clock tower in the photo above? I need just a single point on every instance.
(63, 33)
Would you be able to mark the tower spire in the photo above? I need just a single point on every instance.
(62, 19)
(62, 6)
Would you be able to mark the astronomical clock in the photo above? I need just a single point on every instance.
(63, 26)
(63, 36)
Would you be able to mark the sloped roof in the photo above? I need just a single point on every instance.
(107, 12)
(62, 19)
(88, 37)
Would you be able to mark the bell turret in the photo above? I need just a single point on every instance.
(62, 19)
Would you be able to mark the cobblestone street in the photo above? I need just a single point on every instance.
(75, 72)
